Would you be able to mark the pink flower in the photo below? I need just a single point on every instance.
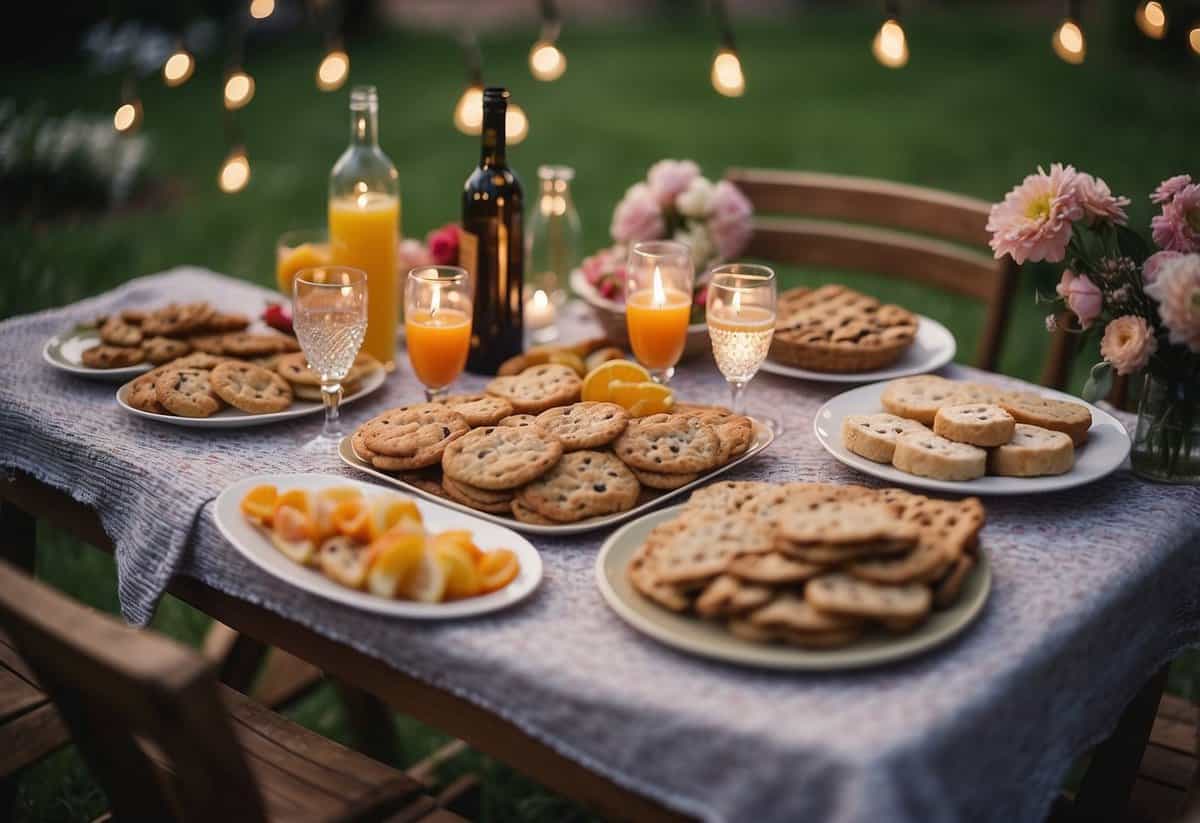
(1154, 264)
(1128, 344)
(729, 220)
(1098, 201)
(412, 254)
(1178, 227)
(1082, 296)
(1034, 220)
(1170, 187)
(1051, 323)
(1177, 290)
(638, 216)
(669, 178)
(443, 245)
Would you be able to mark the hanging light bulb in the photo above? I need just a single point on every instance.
(1151, 18)
(179, 67)
(1068, 42)
(468, 112)
(546, 61)
(235, 171)
(516, 124)
(890, 45)
(333, 71)
(262, 9)
(239, 89)
(128, 116)
(1194, 38)
(727, 76)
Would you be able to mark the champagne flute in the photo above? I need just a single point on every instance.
(329, 314)
(437, 325)
(740, 314)
(658, 304)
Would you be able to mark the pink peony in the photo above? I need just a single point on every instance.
(412, 254)
(1082, 296)
(670, 178)
(1177, 290)
(1034, 220)
(1178, 227)
(638, 216)
(1128, 344)
(1154, 264)
(1098, 201)
(443, 245)
(1170, 187)
(729, 220)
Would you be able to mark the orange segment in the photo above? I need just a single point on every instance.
(391, 560)
(390, 511)
(426, 583)
(294, 533)
(298, 499)
(596, 386)
(497, 569)
(304, 256)
(642, 398)
(259, 504)
(462, 577)
(352, 519)
(458, 537)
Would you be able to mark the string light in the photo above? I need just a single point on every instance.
(726, 73)
(262, 9)
(1194, 38)
(333, 71)
(179, 67)
(516, 124)
(546, 60)
(1151, 18)
(1068, 41)
(468, 112)
(235, 171)
(239, 89)
(128, 117)
(890, 45)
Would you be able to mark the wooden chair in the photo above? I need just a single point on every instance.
(167, 742)
(860, 224)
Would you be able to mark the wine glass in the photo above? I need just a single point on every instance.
(740, 314)
(329, 314)
(658, 304)
(437, 325)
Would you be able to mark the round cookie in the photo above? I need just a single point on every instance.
(176, 319)
(518, 420)
(222, 322)
(663, 481)
(481, 499)
(977, 393)
(669, 444)
(479, 409)
(161, 350)
(197, 360)
(735, 435)
(1072, 419)
(250, 388)
(116, 332)
(358, 444)
(105, 356)
(186, 392)
(918, 398)
(538, 388)
(980, 424)
(525, 514)
(142, 395)
(1033, 452)
(582, 484)
(926, 454)
(500, 457)
(412, 437)
(248, 344)
(873, 436)
(586, 425)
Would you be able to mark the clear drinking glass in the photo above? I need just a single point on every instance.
(329, 314)
(299, 249)
(554, 237)
(740, 314)
(437, 325)
(658, 304)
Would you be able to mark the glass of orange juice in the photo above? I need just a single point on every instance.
(658, 304)
(299, 249)
(437, 325)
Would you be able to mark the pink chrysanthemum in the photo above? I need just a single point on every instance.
(1098, 201)
(1178, 227)
(1170, 187)
(1034, 220)
(1177, 290)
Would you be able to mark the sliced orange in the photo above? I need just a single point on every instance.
(642, 398)
(497, 569)
(326, 501)
(298, 499)
(462, 577)
(294, 533)
(596, 386)
(304, 256)
(458, 537)
(259, 504)
(390, 511)
(352, 518)
(426, 582)
(391, 560)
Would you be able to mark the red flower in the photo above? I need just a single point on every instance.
(443, 245)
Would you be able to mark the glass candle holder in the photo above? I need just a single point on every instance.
(740, 315)
(658, 304)
(437, 325)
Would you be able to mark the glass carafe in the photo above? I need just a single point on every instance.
(554, 235)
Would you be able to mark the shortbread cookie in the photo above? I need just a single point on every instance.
(727, 595)
(251, 388)
(412, 437)
(775, 497)
(977, 393)
(644, 567)
(841, 594)
(946, 529)
(187, 393)
(918, 398)
(670, 444)
(538, 388)
(486, 501)
(177, 319)
(775, 569)
(926, 454)
(105, 356)
(873, 436)
(793, 613)
(849, 523)
(116, 332)
(1033, 452)
(826, 554)
(946, 593)
(518, 420)
(727, 496)
(582, 484)
(980, 424)
(249, 344)
(500, 457)
(663, 481)
(527, 515)
(705, 543)
(745, 630)
(479, 409)
(585, 425)
(1072, 419)
(161, 350)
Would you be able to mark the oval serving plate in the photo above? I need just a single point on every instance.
(64, 352)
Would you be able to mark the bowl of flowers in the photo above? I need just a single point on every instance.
(674, 202)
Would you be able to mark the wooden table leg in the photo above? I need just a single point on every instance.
(370, 723)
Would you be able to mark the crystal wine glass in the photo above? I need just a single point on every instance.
(329, 314)
(658, 304)
(740, 314)
(437, 325)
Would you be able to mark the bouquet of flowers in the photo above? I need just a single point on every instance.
(1144, 302)
(674, 202)
(440, 248)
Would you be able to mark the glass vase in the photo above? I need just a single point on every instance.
(554, 235)
(1166, 444)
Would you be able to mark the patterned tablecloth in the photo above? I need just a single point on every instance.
(1093, 589)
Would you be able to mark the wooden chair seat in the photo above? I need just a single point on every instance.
(30, 727)
(1169, 764)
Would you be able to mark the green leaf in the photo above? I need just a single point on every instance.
(1099, 382)
(1132, 244)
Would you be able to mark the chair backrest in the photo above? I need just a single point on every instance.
(144, 711)
(861, 224)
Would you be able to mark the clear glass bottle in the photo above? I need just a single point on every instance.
(555, 234)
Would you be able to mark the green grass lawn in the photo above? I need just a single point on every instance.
(982, 103)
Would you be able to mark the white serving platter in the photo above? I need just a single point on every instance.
(65, 353)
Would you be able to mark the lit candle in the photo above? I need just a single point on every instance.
(438, 340)
(657, 319)
(540, 317)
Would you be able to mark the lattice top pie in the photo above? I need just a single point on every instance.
(836, 329)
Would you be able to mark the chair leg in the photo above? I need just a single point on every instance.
(370, 723)
(20, 531)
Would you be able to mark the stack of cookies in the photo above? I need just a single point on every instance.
(528, 448)
(836, 329)
(160, 335)
(810, 564)
(948, 430)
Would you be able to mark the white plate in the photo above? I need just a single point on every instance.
(255, 547)
(64, 351)
(1106, 448)
(933, 348)
(709, 639)
(763, 437)
(231, 418)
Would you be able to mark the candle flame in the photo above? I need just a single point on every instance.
(435, 302)
(736, 305)
(540, 300)
(659, 298)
